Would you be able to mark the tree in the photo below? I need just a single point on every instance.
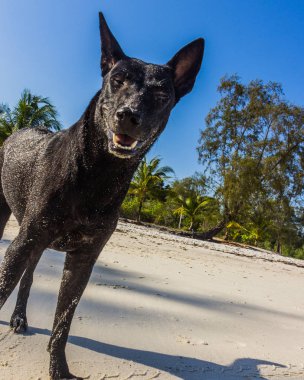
(191, 207)
(196, 185)
(5, 123)
(186, 195)
(31, 111)
(253, 148)
(148, 180)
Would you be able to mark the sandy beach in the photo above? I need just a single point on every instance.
(160, 306)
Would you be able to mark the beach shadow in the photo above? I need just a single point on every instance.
(186, 368)
(5, 243)
(109, 276)
(180, 366)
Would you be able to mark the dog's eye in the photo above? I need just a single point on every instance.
(117, 81)
(161, 97)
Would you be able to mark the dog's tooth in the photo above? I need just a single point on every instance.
(133, 145)
(125, 147)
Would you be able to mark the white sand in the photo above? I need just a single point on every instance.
(165, 307)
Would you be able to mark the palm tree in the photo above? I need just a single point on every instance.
(6, 125)
(31, 111)
(148, 180)
(191, 206)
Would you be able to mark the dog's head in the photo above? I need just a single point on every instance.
(137, 97)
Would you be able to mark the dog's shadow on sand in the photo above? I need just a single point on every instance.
(180, 366)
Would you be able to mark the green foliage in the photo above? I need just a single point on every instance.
(191, 207)
(183, 204)
(196, 185)
(148, 181)
(153, 211)
(298, 253)
(253, 149)
(195, 209)
(31, 111)
(129, 207)
(251, 235)
(159, 212)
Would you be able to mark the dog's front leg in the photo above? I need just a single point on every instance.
(77, 270)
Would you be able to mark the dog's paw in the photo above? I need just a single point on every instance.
(68, 377)
(18, 324)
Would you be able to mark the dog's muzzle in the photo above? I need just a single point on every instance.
(120, 141)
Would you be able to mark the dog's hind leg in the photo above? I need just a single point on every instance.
(18, 320)
(5, 211)
(27, 246)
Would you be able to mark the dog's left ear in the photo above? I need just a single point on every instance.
(186, 64)
(111, 52)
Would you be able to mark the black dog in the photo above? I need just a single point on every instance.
(65, 188)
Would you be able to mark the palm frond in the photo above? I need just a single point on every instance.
(31, 111)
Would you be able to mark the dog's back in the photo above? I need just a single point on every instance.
(18, 162)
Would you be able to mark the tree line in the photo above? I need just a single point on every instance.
(252, 154)
(250, 189)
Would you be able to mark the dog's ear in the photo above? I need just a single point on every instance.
(186, 64)
(111, 52)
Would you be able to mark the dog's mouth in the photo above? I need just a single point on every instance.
(123, 145)
(123, 141)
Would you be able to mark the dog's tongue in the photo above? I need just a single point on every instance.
(124, 140)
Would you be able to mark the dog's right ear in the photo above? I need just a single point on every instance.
(111, 52)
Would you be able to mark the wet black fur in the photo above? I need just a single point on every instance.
(65, 188)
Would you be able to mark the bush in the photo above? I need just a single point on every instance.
(159, 212)
(129, 208)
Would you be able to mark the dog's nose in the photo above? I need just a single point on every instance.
(127, 115)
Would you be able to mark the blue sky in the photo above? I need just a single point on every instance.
(52, 47)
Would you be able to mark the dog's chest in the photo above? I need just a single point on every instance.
(73, 240)
(87, 226)
(84, 236)
(89, 206)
